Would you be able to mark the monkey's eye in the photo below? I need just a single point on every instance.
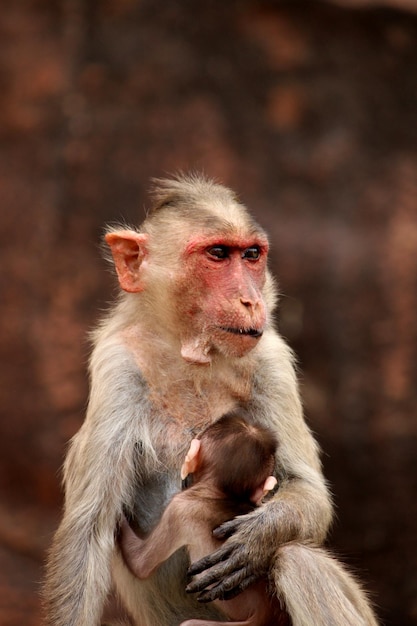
(219, 252)
(252, 254)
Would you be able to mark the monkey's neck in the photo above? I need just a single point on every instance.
(185, 391)
(223, 506)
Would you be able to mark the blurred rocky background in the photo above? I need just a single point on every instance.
(309, 111)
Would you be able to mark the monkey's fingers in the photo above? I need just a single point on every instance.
(229, 587)
(211, 559)
(212, 578)
(225, 574)
(228, 528)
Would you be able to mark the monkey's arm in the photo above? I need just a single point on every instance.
(143, 556)
(300, 510)
(99, 475)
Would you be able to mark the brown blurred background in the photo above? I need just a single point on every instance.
(309, 111)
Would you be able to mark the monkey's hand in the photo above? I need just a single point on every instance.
(245, 557)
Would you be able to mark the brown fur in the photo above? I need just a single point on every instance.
(218, 493)
(161, 369)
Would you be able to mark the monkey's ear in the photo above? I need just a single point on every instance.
(261, 491)
(129, 250)
(192, 459)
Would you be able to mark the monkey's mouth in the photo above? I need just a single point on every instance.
(244, 332)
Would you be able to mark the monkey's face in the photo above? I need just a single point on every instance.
(220, 296)
(210, 295)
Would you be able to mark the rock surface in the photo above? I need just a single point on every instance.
(308, 110)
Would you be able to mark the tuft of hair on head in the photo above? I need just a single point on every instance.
(239, 455)
(199, 202)
(187, 188)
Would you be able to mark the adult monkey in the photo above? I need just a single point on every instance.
(190, 340)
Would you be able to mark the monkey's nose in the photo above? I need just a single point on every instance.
(249, 303)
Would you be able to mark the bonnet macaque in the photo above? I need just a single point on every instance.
(190, 338)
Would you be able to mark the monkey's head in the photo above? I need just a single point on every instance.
(199, 263)
(236, 455)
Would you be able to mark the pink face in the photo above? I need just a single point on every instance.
(220, 293)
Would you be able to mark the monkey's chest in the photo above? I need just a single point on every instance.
(153, 491)
(151, 498)
(194, 404)
(180, 409)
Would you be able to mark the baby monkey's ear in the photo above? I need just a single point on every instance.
(261, 491)
(192, 459)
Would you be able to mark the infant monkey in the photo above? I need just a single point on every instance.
(229, 466)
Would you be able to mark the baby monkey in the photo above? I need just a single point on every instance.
(229, 468)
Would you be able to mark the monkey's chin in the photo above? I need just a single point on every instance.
(237, 343)
(229, 343)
